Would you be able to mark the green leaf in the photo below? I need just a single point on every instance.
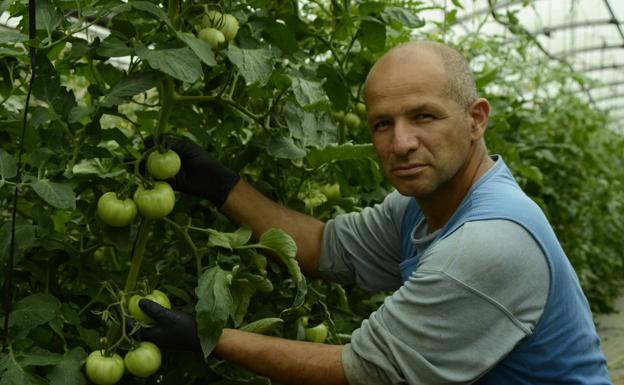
(11, 373)
(69, 370)
(214, 307)
(372, 34)
(5, 4)
(8, 166)
(310, 128)
(24, 237)
(241, 291)
(256, 65)
(145, 6)
(229, 240)
(12, 37)
(486, 78)
(33, 311)
(404, 16)
(59, 195)
(334, 152)
(130, 86)
(307, 92)
(47, 17)
(532, 173)
(40, 357)
(202, 49)
(4, 52)
(262, 326)
(281, 36)
(285, 148)
(334, 86)
(285, 248)
(181, 63)
(112, 46)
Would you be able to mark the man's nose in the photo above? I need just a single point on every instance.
(405, 138)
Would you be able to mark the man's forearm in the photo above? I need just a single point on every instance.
(245, 205)
(282, 360)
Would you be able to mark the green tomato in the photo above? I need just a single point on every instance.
(103, 370)
(331, 191)
(114, 211)
(360, 108)
(212, 36)
(163, 165)
(230, 27)
(157, 202)
(352, 120)
(135, 310)
(338, 116)
(317, 333)
(144, 360)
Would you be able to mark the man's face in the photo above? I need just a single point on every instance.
(422, 136)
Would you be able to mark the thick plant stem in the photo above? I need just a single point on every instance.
(166, 107)
(137, 254)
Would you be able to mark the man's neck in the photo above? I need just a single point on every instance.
(440, 206)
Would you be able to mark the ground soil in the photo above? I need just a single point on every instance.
(611, 330)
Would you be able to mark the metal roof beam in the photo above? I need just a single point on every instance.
(603, 67)
(605, 85)
(609, 97)
(618, 25)
(579, 24)
(602, 47)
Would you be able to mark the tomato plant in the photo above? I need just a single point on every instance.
(114, 211)
(104, 370)
(163, 165)
(144, 360)
(156, 202)
(135, 310)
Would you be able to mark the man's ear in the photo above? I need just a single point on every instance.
(480, 114)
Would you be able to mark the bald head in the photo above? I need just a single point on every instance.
(460, 84)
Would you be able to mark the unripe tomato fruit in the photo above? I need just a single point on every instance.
(114, 211)
(104, 370)
(352, 120)
(338, 116)
(135, 310)
(230, 27)
(163, 165)
(317, 333)
(155, 203)
(331, 191)
(360, 108)
(212, 36)
(144, 360)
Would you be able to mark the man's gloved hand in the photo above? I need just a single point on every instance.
(200, 174)
(172, 329)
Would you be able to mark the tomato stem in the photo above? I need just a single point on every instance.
(166, 107)
(137, 254)
(189, 242)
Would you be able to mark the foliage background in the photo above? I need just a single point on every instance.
(267, 105)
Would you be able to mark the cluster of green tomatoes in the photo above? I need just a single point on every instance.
(352, 119)
(153, 203)
(143, 360)
(217, 28)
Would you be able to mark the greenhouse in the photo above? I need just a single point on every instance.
(312, 192)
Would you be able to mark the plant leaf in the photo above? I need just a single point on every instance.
(202, 49)
(130, 86)
(59, 195)
(8, 166)
(181, 63)
(214, 306)
(256, 65)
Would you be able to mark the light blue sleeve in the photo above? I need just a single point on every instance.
(365, 248)
(473, 297)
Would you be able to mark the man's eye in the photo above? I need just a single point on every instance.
(381, 125)
(424, 116)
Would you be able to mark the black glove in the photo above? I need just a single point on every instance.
(200, 174)
(173, 329)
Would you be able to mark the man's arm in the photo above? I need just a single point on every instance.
(282, 360)
(245, 205)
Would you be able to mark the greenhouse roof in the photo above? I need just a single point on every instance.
(584, 35)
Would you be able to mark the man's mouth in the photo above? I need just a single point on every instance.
(408, 169)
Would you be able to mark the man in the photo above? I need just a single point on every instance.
(483, 292)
